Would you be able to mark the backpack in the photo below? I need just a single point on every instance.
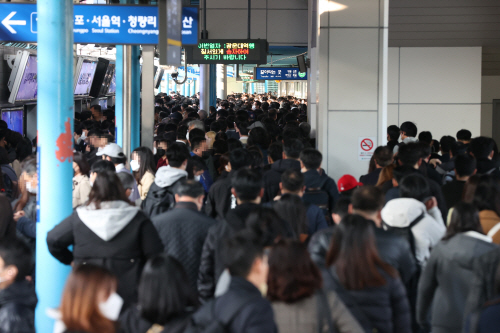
(158, 201)
(406, 232)
(205, 319)
(317, 196)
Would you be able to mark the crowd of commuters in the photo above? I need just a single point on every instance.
(230, 224)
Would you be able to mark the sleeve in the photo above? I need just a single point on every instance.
(318, 247)
(319, 221)
(85, 189)
(6, 218)
(27, 227)
(58, 240)
(206, 274)
(146, 184)
(439, 229)
(406, 261)
(261, 320)
(426, 289)
(210, 206)
(150, 240)
(401, 318)
(342, 318)
(333, 193)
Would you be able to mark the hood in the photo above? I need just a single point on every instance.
(410, 139)
(282, 165)
(166, 175)
(401, 212)
(21, 292)
(108, 221)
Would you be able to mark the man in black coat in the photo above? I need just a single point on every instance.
(247, 263)
(247, 190)
(220, 199)
(183, 230)
(272, 178)
(17, 296)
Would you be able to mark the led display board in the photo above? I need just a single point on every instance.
(279, 73)
(228, 51)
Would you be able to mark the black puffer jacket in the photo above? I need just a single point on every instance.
(118, 237)
(386, 307)
(17, 308)
(183, 231)
(314, 180)
(272, 178)
(211, 266)
(219, 199)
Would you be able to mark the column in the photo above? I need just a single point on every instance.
(351, 67)
(204, 87)
(213, 86)
(55, 147)
(135, 135)
(148, 98)
(183, 89)
(266, 86)
(193, 87)
(221, 81)
(119, 96)
(168, 84)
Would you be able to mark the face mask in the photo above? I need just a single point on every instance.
(154, 151)
(263, 289)
(78, 140)
(30, 188)
(84, 136)
(187, 136)
(91, 183)
(197, 178)
(254, 107)
(134, 165)
(160, 152)
(111, 308)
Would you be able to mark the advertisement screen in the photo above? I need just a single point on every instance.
(85, 78)
(112, 84)
(28, 85)
(14, 120)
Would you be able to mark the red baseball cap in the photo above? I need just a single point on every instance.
(348, 182)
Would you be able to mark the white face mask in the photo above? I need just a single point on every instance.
(79, 140)
(84, 136)
(112, 307)
(254, 107)
(187, 136)
(134, 165)
(30, 188)
(197, 178)
(154, 151)
(91, 183)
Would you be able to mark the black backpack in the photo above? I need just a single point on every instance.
(158, 201)
(205, 319)
(319, 197)
(406, 232)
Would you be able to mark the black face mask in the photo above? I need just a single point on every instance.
(160, 152)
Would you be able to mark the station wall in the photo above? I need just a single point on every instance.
(490, 91)
(437, 88)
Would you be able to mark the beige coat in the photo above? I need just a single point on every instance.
(146, 181)
(81, 190)
(302, 317)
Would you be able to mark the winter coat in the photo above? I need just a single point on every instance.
(371, 178)
(183, 231)
(146, 181)
(118, 237)
(489, 320)
(17, 308)
(316, 180)
(7, 224)
(256, 315)
(302, 316)
(132, 322)
(134, 196)
(386, 307)
(427, 233)
(272, 178)
(452, 192)
(219, 199)
(445, 281)
(392, 249)
(211, 265)
(408, 139)
(81, 190)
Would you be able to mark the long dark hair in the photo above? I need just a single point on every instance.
(23, 149)
(293, 276)
(82, 163)
(147, 162)
(355, 256)
(107, 187)
(487, 194)
(164, 290)
(470, 188)
(465, 217)
(291, 209)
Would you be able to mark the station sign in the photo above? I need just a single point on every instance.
(190, 26)
(279, 73)
(96, 24)
(228, 51)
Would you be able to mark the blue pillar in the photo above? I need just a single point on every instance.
(135, 136)
(252, 88)
(175, 87)
(193, 87)
(55, 147)
(213, 85)
(266, 87)
(119, 96)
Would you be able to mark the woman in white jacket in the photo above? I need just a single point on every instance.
(81, 183)
(416, 205)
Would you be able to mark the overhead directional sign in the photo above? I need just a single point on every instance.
(100, 24)
(189, 25)
(279, 73)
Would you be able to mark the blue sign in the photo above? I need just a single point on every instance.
(190, 26)
(278, 73)
(192, 72)
(96, 24)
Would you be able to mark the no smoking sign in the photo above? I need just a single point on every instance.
(366, 147)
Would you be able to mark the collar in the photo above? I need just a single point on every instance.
(477, 235)
(119, 167)
(186, 205)
(240, 284)
(180, 141)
